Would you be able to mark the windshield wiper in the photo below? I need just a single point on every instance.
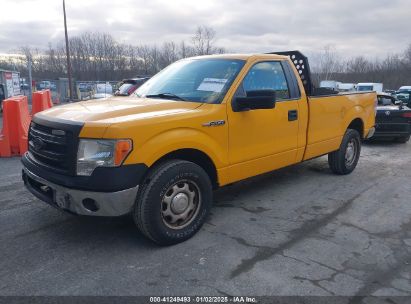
(165, 95)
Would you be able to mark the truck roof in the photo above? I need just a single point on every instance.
(241, 56)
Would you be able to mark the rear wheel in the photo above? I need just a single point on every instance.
(345, 159)
(403, 139)
(174, 202)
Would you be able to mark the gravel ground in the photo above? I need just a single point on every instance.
(297, 231)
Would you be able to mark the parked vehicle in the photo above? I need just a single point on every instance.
(393, 119)
(370, 86)
(129, 86)
(101, 96)
(404, 94)
(404, 89)
(24, 86)
(106, 88)
(199, 124)
(85, 87)
(390, 92)
(43, 85)
(404, 97)
(46, 85)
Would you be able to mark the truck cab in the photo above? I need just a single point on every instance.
(200, 124)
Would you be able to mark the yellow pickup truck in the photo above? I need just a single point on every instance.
(199, 124)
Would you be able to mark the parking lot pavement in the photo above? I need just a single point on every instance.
(297, 231)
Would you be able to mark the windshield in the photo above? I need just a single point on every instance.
(199, 80)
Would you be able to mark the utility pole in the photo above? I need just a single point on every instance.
(67, 54)
(30, 79)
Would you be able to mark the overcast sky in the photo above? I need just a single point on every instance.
(353, 27)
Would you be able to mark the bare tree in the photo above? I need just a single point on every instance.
(328, 64)
(186, 50)
(407, 55)
(98, 56)
(203, 41)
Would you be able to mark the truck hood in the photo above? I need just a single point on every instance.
(118, 109)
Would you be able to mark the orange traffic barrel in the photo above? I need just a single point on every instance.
(16, 122)
(41, 101)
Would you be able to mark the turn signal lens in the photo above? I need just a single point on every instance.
(122, 149)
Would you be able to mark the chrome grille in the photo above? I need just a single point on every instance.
(52, 148)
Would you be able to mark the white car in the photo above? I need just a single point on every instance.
(101, 95)
(104, 88)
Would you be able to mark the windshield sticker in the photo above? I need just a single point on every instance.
(212, 85)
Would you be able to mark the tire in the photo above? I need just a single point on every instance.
(345, 159)
(403, 139)
(173, 202)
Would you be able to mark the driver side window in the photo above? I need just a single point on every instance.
(268, 75)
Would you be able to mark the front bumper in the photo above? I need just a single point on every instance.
(81, 202)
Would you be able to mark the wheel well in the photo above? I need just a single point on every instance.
(358, 125)
(195, 156)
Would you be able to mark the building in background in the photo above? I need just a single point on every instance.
(10, 82)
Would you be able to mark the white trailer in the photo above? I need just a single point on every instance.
(346, 87)
(370, 86)
(330, 84)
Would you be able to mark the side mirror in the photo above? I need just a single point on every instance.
(255, 100)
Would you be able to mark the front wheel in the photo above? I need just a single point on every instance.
(174, 202)
(345, 159)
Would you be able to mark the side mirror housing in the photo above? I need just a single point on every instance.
(255, 100)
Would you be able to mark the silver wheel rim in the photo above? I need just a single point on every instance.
(180, 204)
(351, 152)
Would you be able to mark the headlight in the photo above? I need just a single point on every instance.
(93, 153)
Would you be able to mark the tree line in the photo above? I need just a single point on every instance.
(98, 56)
(393, 71)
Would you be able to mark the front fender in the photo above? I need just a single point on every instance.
(176, 139)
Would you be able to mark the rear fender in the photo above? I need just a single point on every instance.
(352, 114)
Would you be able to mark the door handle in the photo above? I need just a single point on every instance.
(292, 115)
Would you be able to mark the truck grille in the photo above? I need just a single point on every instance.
(53, 148)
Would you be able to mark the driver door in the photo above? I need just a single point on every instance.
(264, 139)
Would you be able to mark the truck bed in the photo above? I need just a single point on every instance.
(329, 117)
